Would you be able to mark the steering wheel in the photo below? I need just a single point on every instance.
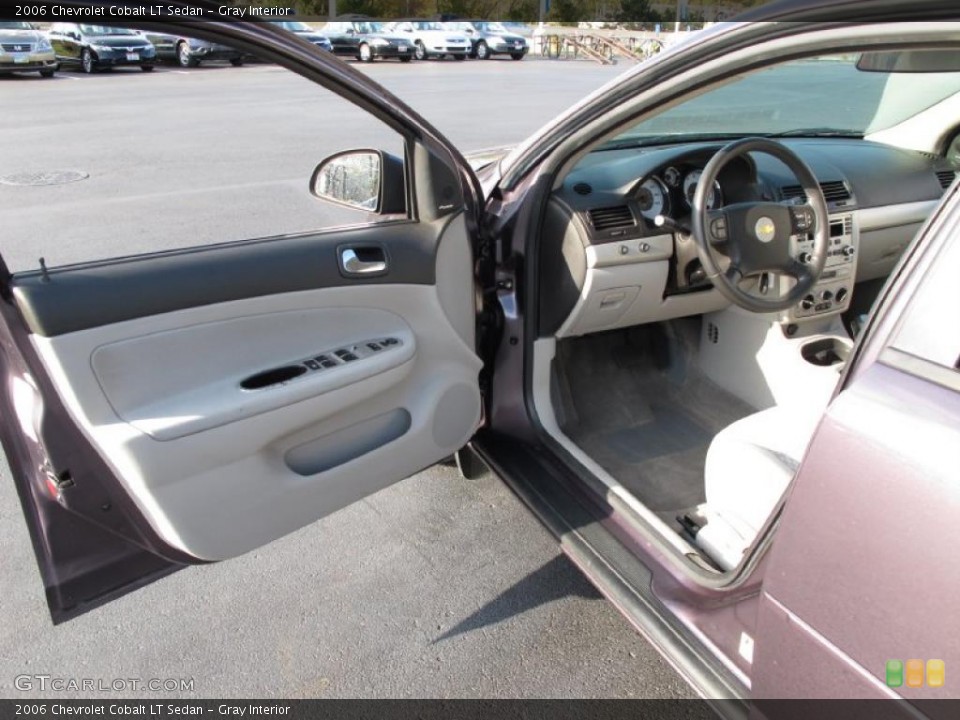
(758, 237)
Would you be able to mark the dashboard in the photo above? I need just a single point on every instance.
(608, 264)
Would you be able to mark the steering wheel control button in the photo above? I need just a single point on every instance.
(718, 228)
(802, 218)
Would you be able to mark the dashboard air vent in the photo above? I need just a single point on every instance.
(611, 217)
(946, 178)
(582, 188)
(833, 191)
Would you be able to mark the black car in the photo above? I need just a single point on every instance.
(491, 38)
(301, 29)
(93, 47)
(190, 52)
(366, 41)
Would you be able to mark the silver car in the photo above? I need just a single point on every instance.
(23, 48)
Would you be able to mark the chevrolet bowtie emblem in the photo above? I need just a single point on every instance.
(765, 229)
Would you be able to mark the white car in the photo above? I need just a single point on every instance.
(432, 39)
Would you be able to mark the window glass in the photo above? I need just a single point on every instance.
(125, 162)
(930, 328)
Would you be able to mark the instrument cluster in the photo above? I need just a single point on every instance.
(670, 192)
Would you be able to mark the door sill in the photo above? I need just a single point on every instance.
(545, 486)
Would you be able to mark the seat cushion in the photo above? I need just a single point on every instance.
(751, 462)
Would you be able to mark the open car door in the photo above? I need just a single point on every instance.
(190, 405)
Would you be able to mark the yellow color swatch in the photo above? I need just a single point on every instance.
(936, 671)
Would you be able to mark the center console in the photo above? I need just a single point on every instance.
(832, 292)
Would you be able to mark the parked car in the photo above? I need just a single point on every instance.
(189, 52)
(366, 41)
(23, 48)
(705, 324)
(301, 29)
(491, 38)
(432, 39)
(518, 28)
(96, 47)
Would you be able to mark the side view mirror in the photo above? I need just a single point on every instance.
(369, 180)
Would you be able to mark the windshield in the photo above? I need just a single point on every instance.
(818, 96)
(293, 25)
(104, 30)
(365, 28)
(493, 27)
(424, 25)
(15, 26)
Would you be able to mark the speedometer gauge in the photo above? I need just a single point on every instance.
(653, 198)
(714, 199)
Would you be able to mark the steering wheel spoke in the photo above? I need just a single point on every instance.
(800, 272)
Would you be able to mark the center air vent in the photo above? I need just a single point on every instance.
(946, 178)
(833, 191)
(582, 188)
(610, 217)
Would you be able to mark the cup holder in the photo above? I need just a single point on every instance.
(825, 352)
(274, 376)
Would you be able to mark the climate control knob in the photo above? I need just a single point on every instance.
(805, 257)
(848, 250)
(808, 302)
(841, 295)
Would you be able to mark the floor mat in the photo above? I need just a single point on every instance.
(669, 431)
(637, 405)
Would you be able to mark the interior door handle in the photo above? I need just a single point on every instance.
(363, 261)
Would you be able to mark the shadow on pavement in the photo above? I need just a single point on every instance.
(554, 581)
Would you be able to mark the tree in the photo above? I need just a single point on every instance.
(635, 11)
(568, 11)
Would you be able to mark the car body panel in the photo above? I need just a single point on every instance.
(436, 40)
(497, 39)
(115, 49)
(307, 33)
(168, 48)
(25, 50)
(346, 37)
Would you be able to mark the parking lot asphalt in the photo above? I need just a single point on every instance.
(435, 587)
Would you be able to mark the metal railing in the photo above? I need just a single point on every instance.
(604, 47)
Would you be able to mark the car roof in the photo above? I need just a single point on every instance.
(847, 10)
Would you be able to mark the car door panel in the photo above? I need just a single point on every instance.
(217, 469)
(80, 297)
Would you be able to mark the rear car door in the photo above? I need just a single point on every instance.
(862, 576)
(266, 365)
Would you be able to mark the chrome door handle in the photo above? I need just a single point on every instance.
(352, 263)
